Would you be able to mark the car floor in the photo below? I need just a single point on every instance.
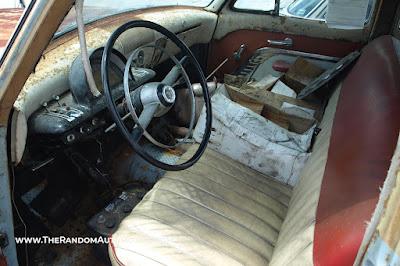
(72, 254)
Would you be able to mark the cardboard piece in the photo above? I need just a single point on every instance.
(300, 74)
(298, 111)
(282, 89)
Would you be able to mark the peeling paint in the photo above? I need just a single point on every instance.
(56, 61)
(51, 73)
(231, 21)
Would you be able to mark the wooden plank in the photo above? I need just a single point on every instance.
(271, 108)
(245, 100)
(290, 122)
(274, 99)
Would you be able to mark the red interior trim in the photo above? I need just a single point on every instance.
(3, 261)
(254, 39)
(364, 137)
(114, 253)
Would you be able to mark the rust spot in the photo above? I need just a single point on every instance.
(8, 20)
(58, 61)
(61, 52)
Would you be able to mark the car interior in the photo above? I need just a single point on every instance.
(209, 134)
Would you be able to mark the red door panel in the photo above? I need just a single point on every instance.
(253, 39)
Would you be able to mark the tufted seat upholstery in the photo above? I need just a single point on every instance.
(217, 212)
(220, 212)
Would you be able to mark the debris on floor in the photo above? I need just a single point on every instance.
(259, 143)
(272, 130)
(106, 222)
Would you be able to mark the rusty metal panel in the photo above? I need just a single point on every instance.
(9, 18)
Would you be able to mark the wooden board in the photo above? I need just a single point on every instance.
(244, 100)
(270, 104)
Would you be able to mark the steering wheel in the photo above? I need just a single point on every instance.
(154, 98)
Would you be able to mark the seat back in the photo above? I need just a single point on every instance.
(295, 240)
(340, 184)
(364, 137)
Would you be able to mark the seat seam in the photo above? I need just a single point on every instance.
(222, 215)
(299, 252)
(142, 255)
(207, 243)
(300, 210)
(240, 194)
(139, 230)
(210, 226)
(265, 180)
(250, 186)
(290, 232)
(223, 200)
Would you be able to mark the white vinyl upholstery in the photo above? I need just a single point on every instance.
(214, 213)
(220, 212)
(295, 242)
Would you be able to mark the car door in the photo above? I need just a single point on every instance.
(286, 24)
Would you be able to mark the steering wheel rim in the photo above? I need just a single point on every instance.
(113, 108)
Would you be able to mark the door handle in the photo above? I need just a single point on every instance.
(287, 42)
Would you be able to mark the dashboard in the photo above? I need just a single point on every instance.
(37, 110)
(77, 113)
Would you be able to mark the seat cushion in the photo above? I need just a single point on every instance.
(217, 212)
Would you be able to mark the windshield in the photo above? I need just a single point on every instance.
(97, 9)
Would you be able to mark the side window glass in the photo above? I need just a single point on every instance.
(306, 9)
(255, 5)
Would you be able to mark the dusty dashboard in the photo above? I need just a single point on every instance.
(77, 113)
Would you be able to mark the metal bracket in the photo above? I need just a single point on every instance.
(3, 240)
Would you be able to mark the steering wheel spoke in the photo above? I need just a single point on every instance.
(174, 73)
(144, 120)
